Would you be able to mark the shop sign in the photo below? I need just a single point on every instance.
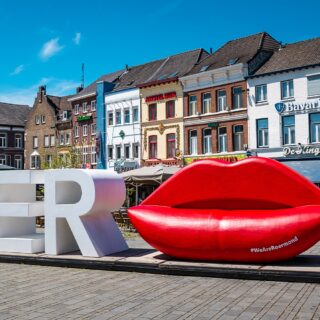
(297, 107)
(213, 125)
(228, 158)
(162, 96)
(301, 151)
(84, 117)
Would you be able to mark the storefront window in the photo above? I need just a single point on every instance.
(192, 105)
(153, 147)
(237, 137)
(315, 127)
(288, 130)
(171, 145)
(287, 89)
(170, 109)
(206, 102)
(207, 141)
(236, 98)
(222, 100)
(222, 139)
(262, 133)
(261, 93)
(193, 142)
(152, 111)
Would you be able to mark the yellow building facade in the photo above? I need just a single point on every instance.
(162, 123)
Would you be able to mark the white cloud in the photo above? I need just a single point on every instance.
(77, 38)
(55, 87)
(17, 70)
(50, 48)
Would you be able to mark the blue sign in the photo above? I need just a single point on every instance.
(279, 106)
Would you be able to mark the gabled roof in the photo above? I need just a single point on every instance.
(176, 66)
(13, 114)
(240, 50)
(292, 56)
(60, 103)
(137, 74)
(91, 88)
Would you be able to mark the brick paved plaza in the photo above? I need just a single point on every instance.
(37, 292)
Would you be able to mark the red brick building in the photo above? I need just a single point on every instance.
(215, 99)
(84, 115)
(12, 125)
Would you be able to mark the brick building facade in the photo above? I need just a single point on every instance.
(48, 132)
(12, 125)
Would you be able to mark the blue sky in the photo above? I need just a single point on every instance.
(45, 42)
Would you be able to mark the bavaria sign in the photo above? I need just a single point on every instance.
(298, 107)
(77, 209)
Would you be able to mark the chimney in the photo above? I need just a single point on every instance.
(127, 68)
(210, 50)
(79, 89)
(42, 92)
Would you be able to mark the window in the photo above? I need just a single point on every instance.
(288, 130)
(18, 140)
(314, 85)
(93, 155)
(85, 130)
(315, 127)
(171, 145)
(68, 138)
(152, 111)
(48, 160)
(193, 142)
(118, 151)
(135, 150)
(222, 100)
(287, 89)
(93, 129)
(3, 159)
(206, 102)
(61, 139)
(238, 137)
(84, 107)
(170, 109)
(3, 140)
(110, 152)
(35, 162)
(35, 142)
(135, 112)
(126, 116)
(118, 117)
(192, 105)
(38, 119)
(46, 142)
(52, 140)
(18, 161)
(76, 131)
(152, 147)
(110, 118)
(261, 93)
(207, 141)
(236, 98)
(76, 109)
(65, 115)
(222, 139)
(43, 119)
(262, 133)
(93, 105)
(127, 151)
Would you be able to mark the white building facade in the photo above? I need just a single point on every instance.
(284, 114)
(123, 133)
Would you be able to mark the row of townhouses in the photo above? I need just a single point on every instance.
(253, 96)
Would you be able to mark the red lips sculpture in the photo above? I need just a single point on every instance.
(255, 210)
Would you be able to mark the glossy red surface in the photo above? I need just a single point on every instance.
(255, 210)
